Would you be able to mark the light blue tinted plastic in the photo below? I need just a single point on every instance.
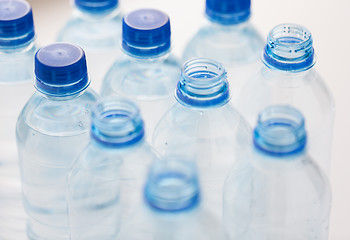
(149, 82)
(289, 48)
(51, 132)
(304, 90)
(100, 37)
(105, 183)
(16, 87)
(203, 83)
(172, 185)
(171, 209)
(270, 196)
(280, 131)
(213, 137)
(238, 47)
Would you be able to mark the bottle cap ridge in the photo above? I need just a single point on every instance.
(228, 12)
(146, 32)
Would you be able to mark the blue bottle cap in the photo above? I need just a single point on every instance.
(228, 12)
(146, 32)
(280, 131)
(16, 23)
(289, 48)
(203, 83)
(96, 6)
(172, 185)
(60, 70)
(116, 123)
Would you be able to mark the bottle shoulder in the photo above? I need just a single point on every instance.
(209, 122)
(99, 163)
(193, 224)
(142, 78)
(17, 66)
(300, 170)
(305, 86)
(229, 45)
(58, 117)
(92, 34)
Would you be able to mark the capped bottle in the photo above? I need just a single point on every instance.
(105, 183)
(17, 49)
(287, 76)
(277, 191)
(204, 127)
(52, 129)
(172, 206)
(95, 26)
(146, 72)
(230, 38)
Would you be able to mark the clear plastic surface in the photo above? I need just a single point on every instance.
(238, 47)
(51, 132)
(100, 37)
(105, 183)
(104, 186)
(305, 91)
(277, 192)
(204, 128)
(149, 82)
(16, 87)
(171, 207)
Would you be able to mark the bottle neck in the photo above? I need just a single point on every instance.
(203, 83)
(289, 48)
(229, 27)
(62, 98)
(147, 60)
(20, 49)
(280, 132)
(116, 123)
(96, 16)
(172, 186)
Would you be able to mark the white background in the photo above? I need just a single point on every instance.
(329, 22)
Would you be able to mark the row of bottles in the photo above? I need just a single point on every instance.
(84, 161)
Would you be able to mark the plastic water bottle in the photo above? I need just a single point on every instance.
(17, 49)
(52, 130)
(229, 38)
(105, 183)
(277, 192)
(172, 206)
(96, 27)
(147, 72)
(288, 77)
(204, 127)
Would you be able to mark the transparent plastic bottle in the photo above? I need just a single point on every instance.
(204, 127)
(288, 77)
(17, 49)
(105, 182)
(52, 129)
(230, 38)
(172, 206)
(277, 192)
(96, 27)
(146, 72)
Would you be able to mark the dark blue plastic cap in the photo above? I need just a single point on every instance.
(96, 6)
(60, 70)
(228, 11)
(146, 32)
(16, 23)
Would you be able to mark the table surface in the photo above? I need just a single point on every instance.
(329, 22)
